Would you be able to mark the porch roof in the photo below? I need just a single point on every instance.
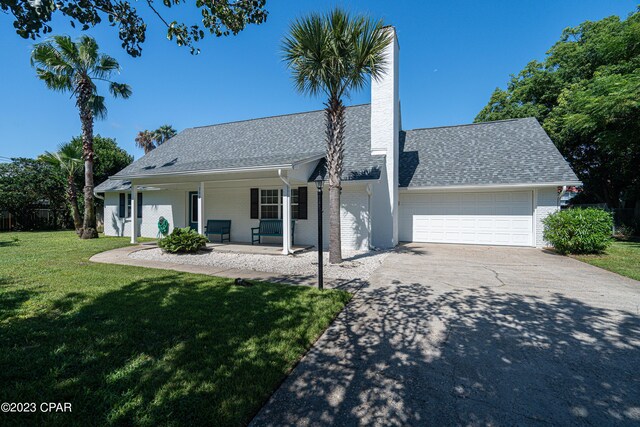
(271, 142)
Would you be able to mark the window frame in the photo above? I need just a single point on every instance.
(279, 203)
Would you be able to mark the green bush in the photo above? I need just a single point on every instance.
(579, 231)
(183, 240)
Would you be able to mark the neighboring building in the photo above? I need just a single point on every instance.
(487, 183)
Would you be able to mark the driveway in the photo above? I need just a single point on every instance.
(473, 335)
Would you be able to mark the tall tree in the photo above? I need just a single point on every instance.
(75, 67)
(68, 159)
(219, 17)
(164, 133)
(145, 140)
(28, 184)
(586, 94)
(333, 54)
(109, 158)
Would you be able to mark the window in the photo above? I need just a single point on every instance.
(270, 204)
(129, 205)
(294, 203)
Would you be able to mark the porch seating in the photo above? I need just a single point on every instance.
(218, 227)
(270, 228)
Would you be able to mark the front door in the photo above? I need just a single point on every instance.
(193, 210)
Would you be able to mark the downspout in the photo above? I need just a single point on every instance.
(369, 191)
(562, 192)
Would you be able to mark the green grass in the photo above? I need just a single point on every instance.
(128, 345)
(621, 257)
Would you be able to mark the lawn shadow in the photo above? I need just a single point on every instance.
(156, 350)
(411, 354)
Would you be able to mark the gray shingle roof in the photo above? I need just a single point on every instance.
(112, 185)
(505, 152)
(271, 141)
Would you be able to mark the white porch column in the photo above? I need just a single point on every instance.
(134, 213)
(201, 218)
(286, 217)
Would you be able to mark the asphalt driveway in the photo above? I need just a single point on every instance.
(471, 335)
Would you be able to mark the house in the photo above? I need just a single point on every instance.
(487, 183)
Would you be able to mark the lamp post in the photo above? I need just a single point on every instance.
(319, 183)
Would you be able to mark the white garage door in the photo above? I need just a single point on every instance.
(499, 218)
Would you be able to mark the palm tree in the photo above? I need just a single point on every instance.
(75, 67)
(164, 133)
(333, 54)
(144, 140)
(68, 159)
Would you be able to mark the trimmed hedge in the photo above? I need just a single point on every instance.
(579, 231)
(183, 240)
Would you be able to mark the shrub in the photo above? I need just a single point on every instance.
(579, 231)
(183, 240)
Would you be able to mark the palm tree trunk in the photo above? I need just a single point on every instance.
(86, 117)
(72, 193)
(334, 113)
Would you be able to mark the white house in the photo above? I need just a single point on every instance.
(488, 183)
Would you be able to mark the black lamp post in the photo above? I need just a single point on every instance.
(319, 182)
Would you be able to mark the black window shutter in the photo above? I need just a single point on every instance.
(254, 203)
(302, 203)
(121, 207)
(139, 207)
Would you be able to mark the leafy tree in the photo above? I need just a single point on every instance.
(27, 184)
(109, 157)
(66, 66)
(220, 18)
(586, 94)
(164, 133)
(145, 140)
(333, 54)
(68, 159)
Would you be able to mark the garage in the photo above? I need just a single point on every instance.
(481, 218)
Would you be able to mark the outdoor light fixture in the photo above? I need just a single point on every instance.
(319, 183)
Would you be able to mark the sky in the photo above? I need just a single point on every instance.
(453, 54)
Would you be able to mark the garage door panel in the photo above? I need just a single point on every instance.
(499, 218)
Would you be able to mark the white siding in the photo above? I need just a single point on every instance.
(167, 203)
(233, 202)
(546, 204)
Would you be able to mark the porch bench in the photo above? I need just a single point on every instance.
(270, 228)
(218, 227)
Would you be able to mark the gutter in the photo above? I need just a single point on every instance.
(203, 172)
(492, 186)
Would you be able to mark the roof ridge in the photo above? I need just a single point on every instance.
(272, 117)
(472, 124)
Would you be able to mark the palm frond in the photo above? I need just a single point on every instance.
(87, 49)
(98, 107)
(120, 90)
(334, 53)
(67, 49)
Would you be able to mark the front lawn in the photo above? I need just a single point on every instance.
(621, 257)
(127, 345)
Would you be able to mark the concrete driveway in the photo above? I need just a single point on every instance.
(472, 335)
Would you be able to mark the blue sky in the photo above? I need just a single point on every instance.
(453, 54)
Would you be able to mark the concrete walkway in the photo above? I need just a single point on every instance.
(120, 256)
(472, 335)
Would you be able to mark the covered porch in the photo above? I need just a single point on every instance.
(243, 199)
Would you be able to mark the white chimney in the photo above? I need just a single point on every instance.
(385, 139)
(385, 102)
